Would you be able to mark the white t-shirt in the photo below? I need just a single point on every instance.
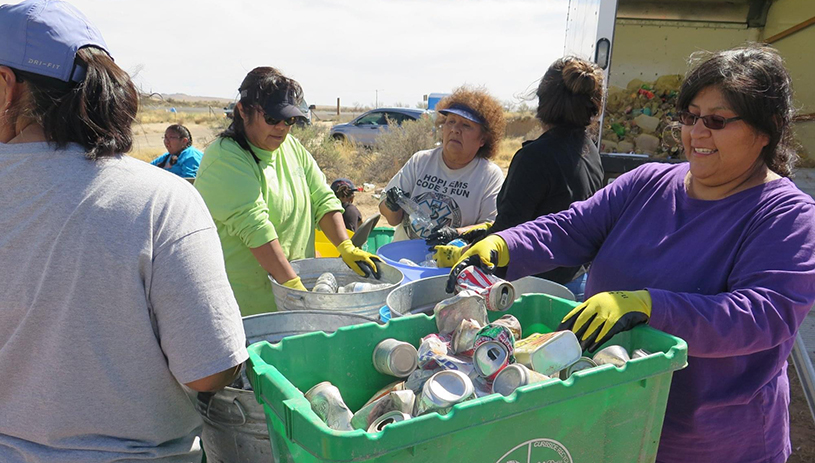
(454, 197)
(93, 256)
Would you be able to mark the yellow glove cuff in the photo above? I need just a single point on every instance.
(345, 247)
(295, 283)
(497, 243)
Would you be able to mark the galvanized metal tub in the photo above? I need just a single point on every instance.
(364, 303)
(234, 424)
(421, 296)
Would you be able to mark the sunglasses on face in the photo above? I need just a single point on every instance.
(272, 121)
(711, 121)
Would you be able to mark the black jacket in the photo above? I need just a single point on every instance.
(546, 176)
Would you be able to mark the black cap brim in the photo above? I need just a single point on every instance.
(283, 111)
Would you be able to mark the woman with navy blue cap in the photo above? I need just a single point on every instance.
(267, 194)
(455, 184)
(113, 293)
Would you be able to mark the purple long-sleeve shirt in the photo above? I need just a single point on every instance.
(734, 278)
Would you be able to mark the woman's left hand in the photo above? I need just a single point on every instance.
(605, 314)
(362, 262)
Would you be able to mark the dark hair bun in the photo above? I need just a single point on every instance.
(580, 77)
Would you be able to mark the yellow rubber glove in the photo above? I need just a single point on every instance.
(488, 253)
(477, 233)
(605, 314)
(362, 262)
(447, 256)
(295, 283)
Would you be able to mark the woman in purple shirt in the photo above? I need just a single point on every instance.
(719, 251)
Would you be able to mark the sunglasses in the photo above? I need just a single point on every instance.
(711, 121)
(272, 121)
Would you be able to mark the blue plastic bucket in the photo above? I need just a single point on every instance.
(415, 250)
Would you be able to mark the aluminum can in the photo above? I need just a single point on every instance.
(451, 311)
(498, 294)
(514, 376)
(326, 283)
(401, 401)
(430, 348)
(512, 323)
(415, 382)
(583, 363)
(394, 386)
(361, 287)
(464, 337)
(548, 353)
(326, 402)
(640, 353)
(615, 355)
(395, 358)
(443, 390)
(386, 419)
(493, 350)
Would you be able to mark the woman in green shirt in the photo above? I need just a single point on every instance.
(267, 194)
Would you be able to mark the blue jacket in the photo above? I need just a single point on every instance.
(187, 165)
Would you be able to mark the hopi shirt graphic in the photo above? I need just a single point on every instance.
(453, 197)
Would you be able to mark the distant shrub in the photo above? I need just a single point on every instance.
(394, 147)
(336, 159)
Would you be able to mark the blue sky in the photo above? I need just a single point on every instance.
(357, 50)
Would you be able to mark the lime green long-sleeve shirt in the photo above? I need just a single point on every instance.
(282, 198)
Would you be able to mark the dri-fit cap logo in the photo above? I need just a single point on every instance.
(37, 62)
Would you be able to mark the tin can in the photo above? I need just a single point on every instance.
(386, 419)
(514, 376)
(640, 353)
(326, 402)
(615, 355)
(394, 386)
(498, 294)
(401, 401)
(512, 323)
(493, 350)
(443, 390)
(395, 358)
(465, 304)
(548, 353)
(415, 382)
(583, 363)
(464, 337)
(326, 283)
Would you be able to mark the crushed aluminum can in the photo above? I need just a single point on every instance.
(464, 337)
(583, 363)
(401, 401)
(430, 348)
(482, 386)
(394, 386)
(416, 380)
(640, 353)
(465, 304)
(498, 293)
(514, 376)
(395, 358)
(326, 402)
(493, 350)
(548, 353)
(443, 390)
(512, 323)
(615, 355)
(386, 419)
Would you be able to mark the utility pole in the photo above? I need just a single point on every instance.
(376, 104)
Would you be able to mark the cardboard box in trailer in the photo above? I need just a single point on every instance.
(643, 47)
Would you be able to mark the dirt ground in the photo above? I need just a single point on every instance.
(148, 145)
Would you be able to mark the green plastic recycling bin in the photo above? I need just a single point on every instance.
(606, 414)
(378, 237)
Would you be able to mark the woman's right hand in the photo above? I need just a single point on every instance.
(488, 253)
(391, 198)
(295, 283)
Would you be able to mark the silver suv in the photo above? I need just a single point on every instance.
(366, 127)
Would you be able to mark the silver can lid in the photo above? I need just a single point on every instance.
(403, 359)
(448, 387)
(489, 358)
(510, 378)
(391, 417)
